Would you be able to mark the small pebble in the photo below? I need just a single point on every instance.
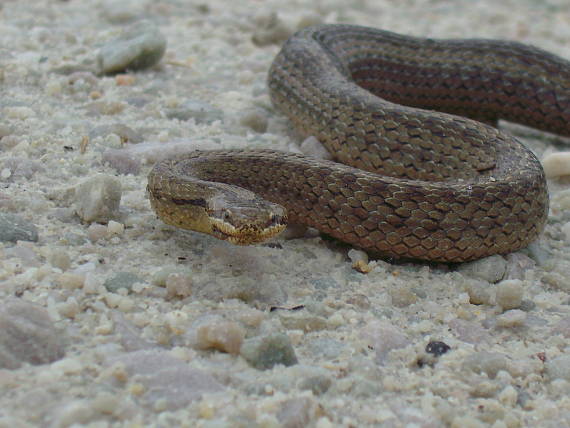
(95, 232)
(225, 336)
(97, 199)
(125, 79)
(467, 331)
(121, 12)
(106, 108)
(559, 368)
(115, 228)
(313, 147)
(122, 161)
(270, 30)
(20, 167)
(201, 112)
(178, 285)
(127, 134)
(298, 412)
(437, 348)
(14, 228)
(402, 296)
(27, 335)
(71, 281)
(478, 291)
(509, 294)
(140, 46)
(318, 384)
(59, 258)
(265, 352)
(308, 19)
(302, 321)
(19, 112)
(73, 413)
(491, 269)
(556, 164)
(70, 308)
(163, 380)
(383, 337)
(562, 327)
(486, 362)
(511, 318)
(124, 280)
(5, 130)
(255, 119)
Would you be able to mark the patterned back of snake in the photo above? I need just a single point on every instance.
(443, 187)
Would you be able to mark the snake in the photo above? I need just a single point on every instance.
(418, 169)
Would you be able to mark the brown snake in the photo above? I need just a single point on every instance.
(421, 184)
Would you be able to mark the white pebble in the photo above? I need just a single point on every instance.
(357, 255)
(313, 147)
(512, 318)
(5, 173)
(115, 228)
(68, 366)
(19, 112)
(96, 232)
(77, 412)
(97, 199)
(178, 285)
(509, 294)
(566, 231)
(69, 309)
(556, 164)
(508, 396)
(225, 336)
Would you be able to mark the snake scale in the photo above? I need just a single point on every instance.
(420, 171)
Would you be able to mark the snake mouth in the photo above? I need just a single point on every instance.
(247, 234)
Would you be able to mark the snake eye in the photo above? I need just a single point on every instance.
(226, 215)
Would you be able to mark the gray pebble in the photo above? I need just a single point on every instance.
(98, 198)
(122, 12)
(489, 363)
(557, 281)
(255, 119)
(302, 321)
(559, 368)
(384, 337)
(527, 305)
(201, 112)
(5, 130)
(140, 46)
(27, 335)
(469, 331)
(122, 161)
(124, 280)
(270, 30)
(541, 256)
(14, 228)
(21, 167)
(297, 412)
(167, 381)
(491, 269)
(326, 347)
(318, 384)
(265, 352)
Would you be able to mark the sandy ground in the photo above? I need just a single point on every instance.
(134, 323)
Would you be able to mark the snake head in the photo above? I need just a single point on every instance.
(246, 221)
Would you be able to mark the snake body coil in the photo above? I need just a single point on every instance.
(417, 183)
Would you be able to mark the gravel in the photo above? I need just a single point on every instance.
(111, 318)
